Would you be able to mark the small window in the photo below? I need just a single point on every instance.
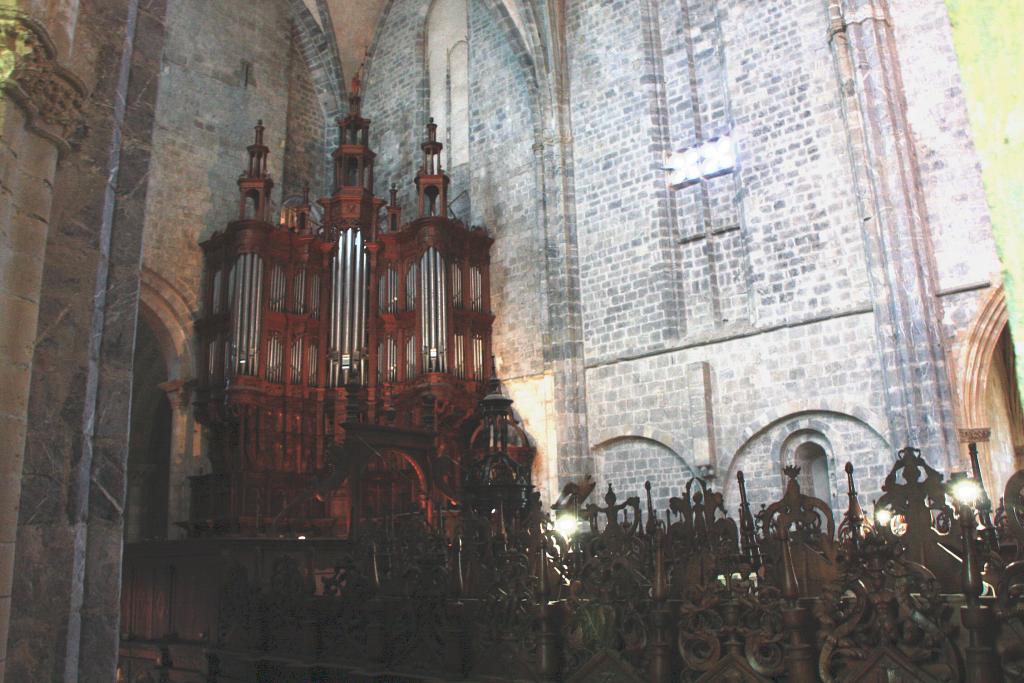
(705, 160)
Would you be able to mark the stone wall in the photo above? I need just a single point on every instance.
(967, 269)
(716, 313)
(215, 84)
(151, 170)
(827, 288)
(772, 293)
(305, 154)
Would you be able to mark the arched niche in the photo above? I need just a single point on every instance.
(811, 451)
(843, 437)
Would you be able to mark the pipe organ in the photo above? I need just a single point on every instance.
(345, 356)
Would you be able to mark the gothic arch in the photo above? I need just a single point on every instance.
(320, 53)
(997, 427)
(169, 316)
(524, 45)
(976, 357)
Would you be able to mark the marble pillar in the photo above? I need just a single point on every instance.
(64, 604)
(41, 101)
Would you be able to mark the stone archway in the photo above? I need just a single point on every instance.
(989, 398)
(167, 314)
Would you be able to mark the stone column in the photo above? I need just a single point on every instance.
(897, 242)
(564, 352)
(40, 105)
(64, 605)
(185, 452)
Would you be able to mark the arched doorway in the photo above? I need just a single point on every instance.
(149, 445)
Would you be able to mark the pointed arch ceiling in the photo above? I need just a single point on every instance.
(355, 22)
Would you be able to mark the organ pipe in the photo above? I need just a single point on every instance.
(247, 286)
(299, 292)
(287, 303)
(433, 311)
(349, 292)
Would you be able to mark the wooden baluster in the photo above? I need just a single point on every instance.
(547, 647)
(660, 662)
(981, 657)
(799, 655)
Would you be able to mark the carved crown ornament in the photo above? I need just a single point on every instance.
(50, 95)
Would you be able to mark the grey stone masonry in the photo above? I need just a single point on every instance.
(716, 312)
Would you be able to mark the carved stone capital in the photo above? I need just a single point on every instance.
(50, 94)
(179, 392)
(974, 434)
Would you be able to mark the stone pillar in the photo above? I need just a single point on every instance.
(65, 594)
(40, 105)
(564, 352)
(185, 452)
(897, 242)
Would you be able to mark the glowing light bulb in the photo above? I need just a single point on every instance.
(883, 517)
(566, 526)
(967, 492)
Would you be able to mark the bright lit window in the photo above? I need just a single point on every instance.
(706, 160)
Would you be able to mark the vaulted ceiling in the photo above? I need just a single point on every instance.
(355, 23)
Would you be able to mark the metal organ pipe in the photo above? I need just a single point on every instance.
(361, 293)
(346, 305)
(425, 313)
(230, 368)
(436, 313)
(442, 305)
(433, 314)
(348, 308)
(247, 286)
(335, 342)
(257, 314)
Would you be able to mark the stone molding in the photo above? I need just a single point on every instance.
(975, 435)
(51, 95)
(975, 357)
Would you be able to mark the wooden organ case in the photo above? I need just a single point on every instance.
(344, 360)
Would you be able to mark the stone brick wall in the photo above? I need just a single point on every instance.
(756, 383)
(958, 217)
(773, 289)
(504, 193)
(719, 314)
(215, 84)
(305, 155)
(395, 99)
